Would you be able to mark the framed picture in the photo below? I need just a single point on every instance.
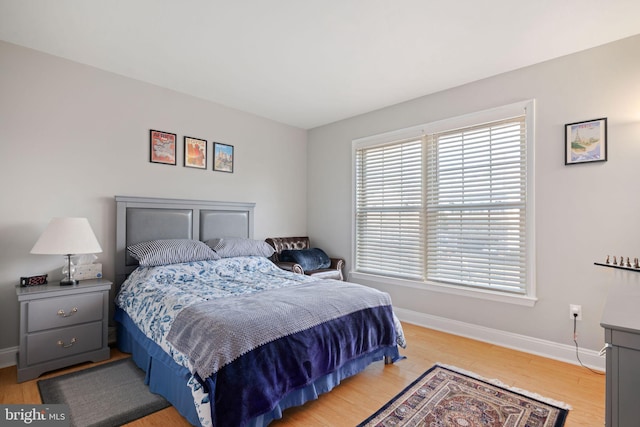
(222, 157)
(162, 147)
(585, 142)
(195, 153)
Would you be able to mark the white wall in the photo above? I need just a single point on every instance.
(72, 137)
(583, 212)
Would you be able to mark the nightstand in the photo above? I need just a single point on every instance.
(62, 325)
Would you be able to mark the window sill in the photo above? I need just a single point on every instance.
(523, 300)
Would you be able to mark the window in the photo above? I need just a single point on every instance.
(449, 203)
(390, 210)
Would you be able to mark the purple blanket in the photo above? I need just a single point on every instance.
(252, 350)
(215, 333)
(254, 383)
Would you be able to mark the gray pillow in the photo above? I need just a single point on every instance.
(171, 251)
(227, 247)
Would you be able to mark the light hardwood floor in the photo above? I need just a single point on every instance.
(360, 396)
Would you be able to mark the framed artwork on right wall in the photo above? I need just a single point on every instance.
(585, 142)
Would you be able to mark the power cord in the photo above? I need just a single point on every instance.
(575, 340)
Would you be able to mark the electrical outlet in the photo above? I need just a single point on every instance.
(574, 310)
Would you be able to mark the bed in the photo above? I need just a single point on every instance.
(227, 337)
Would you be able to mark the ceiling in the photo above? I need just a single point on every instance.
(311, 62)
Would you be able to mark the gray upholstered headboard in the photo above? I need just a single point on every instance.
(140, 219)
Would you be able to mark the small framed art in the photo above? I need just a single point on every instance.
(222, 157)
(585, 142)
(162, 147)
(195, 153)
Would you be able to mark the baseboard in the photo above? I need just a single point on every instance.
(549, 349)
(8, 357)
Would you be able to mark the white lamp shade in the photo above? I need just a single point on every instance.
(66, 236)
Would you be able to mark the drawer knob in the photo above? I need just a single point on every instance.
(63, 314)
(63, 345)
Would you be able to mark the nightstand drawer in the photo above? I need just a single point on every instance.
(64, 311)
(59, 343)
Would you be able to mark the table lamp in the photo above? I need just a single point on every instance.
(67, 236)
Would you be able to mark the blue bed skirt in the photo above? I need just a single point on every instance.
(165, 377)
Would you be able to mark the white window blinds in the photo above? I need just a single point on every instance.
(476, 206)
(389, 210)
(446, 206)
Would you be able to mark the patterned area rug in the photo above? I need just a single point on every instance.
(445, 396)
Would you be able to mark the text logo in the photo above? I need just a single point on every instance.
(35, 415)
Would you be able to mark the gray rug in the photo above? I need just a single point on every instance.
(107, 395)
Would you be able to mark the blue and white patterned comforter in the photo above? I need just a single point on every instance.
(153, 296)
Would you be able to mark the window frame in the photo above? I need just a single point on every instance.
(472, 119)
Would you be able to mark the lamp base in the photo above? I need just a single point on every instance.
(67, 272)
